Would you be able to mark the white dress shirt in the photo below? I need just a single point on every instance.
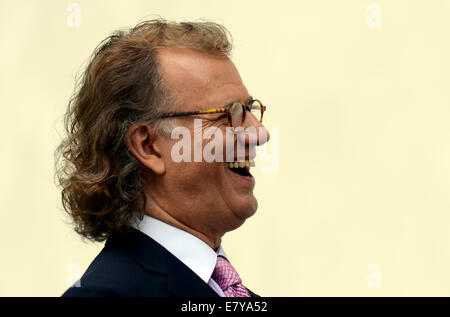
(187, 248)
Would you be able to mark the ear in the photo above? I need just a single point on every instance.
(140, 140)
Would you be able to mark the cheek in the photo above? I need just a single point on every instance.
(197, 174)
(201, 176)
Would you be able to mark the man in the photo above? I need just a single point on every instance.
(163, 218)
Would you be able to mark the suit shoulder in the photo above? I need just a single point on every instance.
(114, 274)
(92, 290)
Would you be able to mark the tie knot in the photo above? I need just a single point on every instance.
(228, 279)
(224, 273)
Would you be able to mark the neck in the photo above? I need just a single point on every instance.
(154, 210)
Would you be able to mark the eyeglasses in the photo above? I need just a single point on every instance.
(235, 111)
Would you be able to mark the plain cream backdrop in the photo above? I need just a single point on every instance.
(360, 202)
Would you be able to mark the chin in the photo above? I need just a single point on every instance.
(248, 208)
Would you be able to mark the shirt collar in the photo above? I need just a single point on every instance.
(189, 249)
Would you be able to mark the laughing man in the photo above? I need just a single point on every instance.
(163, 219)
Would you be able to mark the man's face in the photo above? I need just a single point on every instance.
(208, 197)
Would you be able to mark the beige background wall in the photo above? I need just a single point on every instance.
(360, 202)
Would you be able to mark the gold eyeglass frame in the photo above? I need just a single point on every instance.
(228, 109)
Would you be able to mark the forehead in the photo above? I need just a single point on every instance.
(199, 79)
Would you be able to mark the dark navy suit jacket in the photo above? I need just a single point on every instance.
(134, 264)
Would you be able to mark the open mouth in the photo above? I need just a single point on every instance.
(241, 168)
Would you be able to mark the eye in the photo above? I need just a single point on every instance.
(222, 120)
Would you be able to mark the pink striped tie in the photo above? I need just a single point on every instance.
(227, 278)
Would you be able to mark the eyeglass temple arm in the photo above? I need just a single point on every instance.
(187, 113)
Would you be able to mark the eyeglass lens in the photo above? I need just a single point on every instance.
(237, 113)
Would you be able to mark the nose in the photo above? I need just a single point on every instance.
(261, 135)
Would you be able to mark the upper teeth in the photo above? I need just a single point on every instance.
(241, 164)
